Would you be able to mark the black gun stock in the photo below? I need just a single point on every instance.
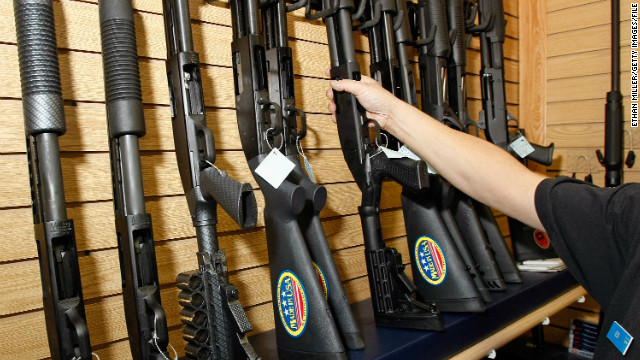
(44, 121)
(392, 293)
(265, 109)
(434, 65)
(281, 91)
(215, 323)
(145, 317)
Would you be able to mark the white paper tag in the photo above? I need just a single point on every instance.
(391, 154)
(406, 152)
(521, 147)
(275, 168)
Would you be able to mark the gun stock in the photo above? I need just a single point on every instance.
(305, 324)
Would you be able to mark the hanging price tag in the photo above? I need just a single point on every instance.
(275, 168)
(406, 152)
(391, 154)
(521, 147)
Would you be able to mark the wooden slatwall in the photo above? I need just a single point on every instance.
(85, 162)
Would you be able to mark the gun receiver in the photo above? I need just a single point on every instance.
(55, 235)
(392, 293)
(494, 118)
(298, 250)
(219, 330)
(146, 319)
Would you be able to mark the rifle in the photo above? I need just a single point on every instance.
(494, 119)
(281, 91)
(44, 121)
(457, 97)
(215, 323)
(456, 207)
(450, 287)
(265, 107)
(392, 293)
(146, 319)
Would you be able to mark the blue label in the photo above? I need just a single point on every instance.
(430, 260)
(619, 337)
(292, 303)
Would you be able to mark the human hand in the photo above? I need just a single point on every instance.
(377, 101)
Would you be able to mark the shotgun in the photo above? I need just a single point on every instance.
(392, 293)
(145, 317)
(215, 322)
(44, 121)
(451, 286)
(305, 323)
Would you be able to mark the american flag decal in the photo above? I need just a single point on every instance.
(292, 303)
(430, 260)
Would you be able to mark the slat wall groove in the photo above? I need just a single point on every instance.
(85, 160)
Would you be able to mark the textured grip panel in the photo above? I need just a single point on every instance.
(411, 174)
(39, 70)
(438, 17)
(122, 75)
(542, 154)
(235, 198)
(455, 13)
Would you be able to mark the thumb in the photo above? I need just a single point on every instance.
(347, 85)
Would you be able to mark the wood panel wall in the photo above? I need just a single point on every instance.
(85, 162)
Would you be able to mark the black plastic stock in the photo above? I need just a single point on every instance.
(145, 317)
(306, 310)
(218, 327)
(44, 120)
(392, 292)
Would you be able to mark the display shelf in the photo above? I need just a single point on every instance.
(466, 336)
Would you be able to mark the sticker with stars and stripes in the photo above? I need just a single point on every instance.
(292, 303)
(430, 260)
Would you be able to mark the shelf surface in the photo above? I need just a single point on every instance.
(462, 330)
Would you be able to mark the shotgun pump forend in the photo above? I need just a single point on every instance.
(44, 120)
(145, 317)
(215, 323)
(392, 293)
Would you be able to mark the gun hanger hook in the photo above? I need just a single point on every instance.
(362, 5)
(377, 13)
(322, 13)
(297, 5)
(397, 20)
(589, 177)
(631, 156)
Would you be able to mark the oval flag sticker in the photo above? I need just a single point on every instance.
(541, 239)
(430, 260)
(322, 279)
(292, 303)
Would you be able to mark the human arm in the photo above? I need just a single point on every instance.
(476, 167)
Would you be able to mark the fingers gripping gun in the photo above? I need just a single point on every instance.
(44, 120)
(392, 293)
(298, 250)
(146, 319)
(216, 324)
(494, 118)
